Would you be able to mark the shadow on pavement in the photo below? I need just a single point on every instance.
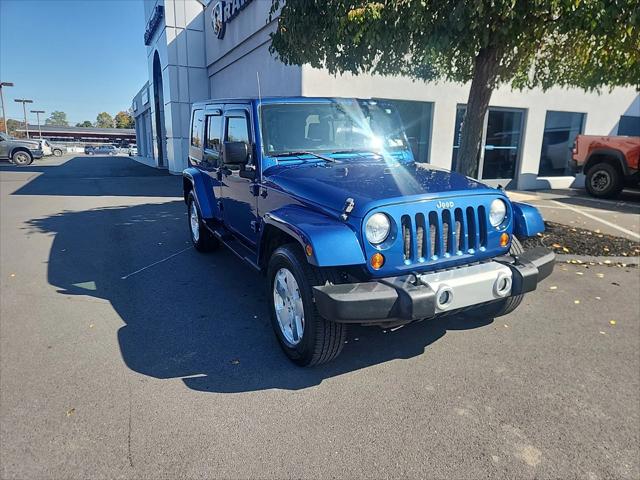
(97, 176)
(201, 318)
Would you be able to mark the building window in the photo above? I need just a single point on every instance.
(416, 120)
(560, 130)
(196, 128)
(629, 125)
(501, 144)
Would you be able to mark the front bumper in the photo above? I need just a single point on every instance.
(420, 296)
(36, 153)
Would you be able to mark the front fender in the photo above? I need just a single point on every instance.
(333, 243)
(203, 191)
(527, 220)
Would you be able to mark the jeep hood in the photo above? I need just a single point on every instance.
(370, 183)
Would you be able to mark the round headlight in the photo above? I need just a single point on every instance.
(497, 212)
(377, 228)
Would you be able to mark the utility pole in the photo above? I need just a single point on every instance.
(24, 109)
(38, 112)
(4, 116)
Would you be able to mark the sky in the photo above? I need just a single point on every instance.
(79, 56)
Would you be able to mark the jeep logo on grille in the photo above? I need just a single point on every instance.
(444, 204)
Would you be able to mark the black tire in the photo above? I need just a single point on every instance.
(322, 340)
(204, 241)
(57, 152)
(500, 307)
(603, 180)
(22, 158)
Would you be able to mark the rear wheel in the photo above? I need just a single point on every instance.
(202, 239)
(501, 307)
(57, 152)
(306, 337)
(22, 158)
(603, 180)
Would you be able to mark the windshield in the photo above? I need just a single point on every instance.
(338, 126)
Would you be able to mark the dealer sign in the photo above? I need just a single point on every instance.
(224, 12)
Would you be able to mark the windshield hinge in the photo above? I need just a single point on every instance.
(347, 209)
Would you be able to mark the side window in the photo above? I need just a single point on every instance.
(214, 129)
(237, 129)
(196, 129)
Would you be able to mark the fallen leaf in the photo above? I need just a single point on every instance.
(600, 275)
(553, 287)
(556, 245)
(565, 249)
(605, 249)
(598, 298)
(607, 262)
(506, 326)
(576, 302)
(91, 326)
(71, 411)
(579, 273)
(603, 333)
(12, 275)
(612, 322)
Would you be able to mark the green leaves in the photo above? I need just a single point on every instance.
(581, 43)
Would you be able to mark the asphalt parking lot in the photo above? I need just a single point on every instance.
(124, 353)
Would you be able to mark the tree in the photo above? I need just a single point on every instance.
(86, 123)
(12, 126)
(124, 120)
(104, 120)
(589, 44)
(57, 118)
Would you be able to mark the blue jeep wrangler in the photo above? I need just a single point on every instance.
(324, 197)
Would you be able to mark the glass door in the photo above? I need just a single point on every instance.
(501, 145)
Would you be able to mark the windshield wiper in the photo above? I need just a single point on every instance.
(304, 152)
(356, 150)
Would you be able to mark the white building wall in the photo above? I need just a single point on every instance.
(179, 42)
(602, 112)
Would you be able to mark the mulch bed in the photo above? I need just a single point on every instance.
(563, 239)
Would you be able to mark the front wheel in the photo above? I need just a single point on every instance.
(306, 338)
(603, 180)
(202, 239)
(500, 307)
(22, 158)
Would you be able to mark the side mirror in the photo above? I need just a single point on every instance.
(235, 153)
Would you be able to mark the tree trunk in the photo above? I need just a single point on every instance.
(485, 71)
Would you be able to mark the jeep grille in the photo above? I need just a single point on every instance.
(441, 233)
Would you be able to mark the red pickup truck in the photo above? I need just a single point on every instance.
(609, 163)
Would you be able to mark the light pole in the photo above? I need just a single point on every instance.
(24, 109)
(38, 112)
(4, 116)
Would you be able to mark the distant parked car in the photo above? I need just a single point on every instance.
(21, 152)
(88, 149)
(103, 150)
(133, 151)
(51, 149)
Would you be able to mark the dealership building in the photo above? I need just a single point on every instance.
(214, 49)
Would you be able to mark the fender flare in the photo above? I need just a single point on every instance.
(200, 183)
(614, 153)
(527, 220)
(333, 243)
(20, 148)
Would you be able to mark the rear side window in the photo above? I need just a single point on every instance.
(196, 128)
(214, 129)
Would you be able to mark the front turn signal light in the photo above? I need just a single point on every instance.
(504, 239)
(377, 261)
